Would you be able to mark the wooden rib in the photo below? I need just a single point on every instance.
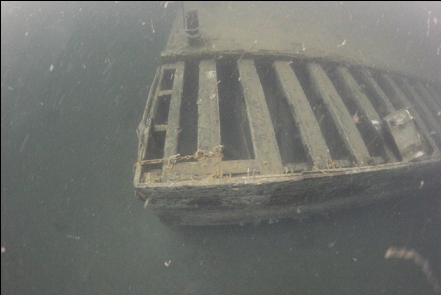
(352, 91)
(311, 135)
(430, 99)
(399, 95)
(340, 115)
(208, 107)
(172, 127)
(145, 126)
(143, 129)
(262, 132)
(429, 118)
(369, 81)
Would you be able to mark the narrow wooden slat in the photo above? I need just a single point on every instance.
(137, 175)
(160, 127)
(171, 136)
(340, 115)
(208, 107)
(165, 92)
(352, 91)
(144, 127)
(381, 97)
(433, 124)
(400, 96)
(430, 99)
(262, 132)
(311, 135)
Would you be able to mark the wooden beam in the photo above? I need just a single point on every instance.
(430, 99)
(145, 126)
(429, 118)
(172, 127)
(208, 107)
(364, 107)
(311, 135)
(264, 140)
(340, 115)
(381, 97)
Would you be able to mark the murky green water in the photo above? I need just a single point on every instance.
(74, 79)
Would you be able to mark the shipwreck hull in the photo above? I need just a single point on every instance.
(293, 154)
(252, 199)
(236, 136)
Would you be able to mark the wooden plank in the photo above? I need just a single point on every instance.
(340, 115)
(381, 97)
(165, 92)
(137, 176)
(186, 170)
(364, 107)
(207, 168)
(208, 107)
(311, 135)
(399, 95)
(266, 149)
(209, 135)
(144, 127)
(171, 136)
(250, 167)
(430, 99)
(429, 118)
(160, 127)
(235, 200)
